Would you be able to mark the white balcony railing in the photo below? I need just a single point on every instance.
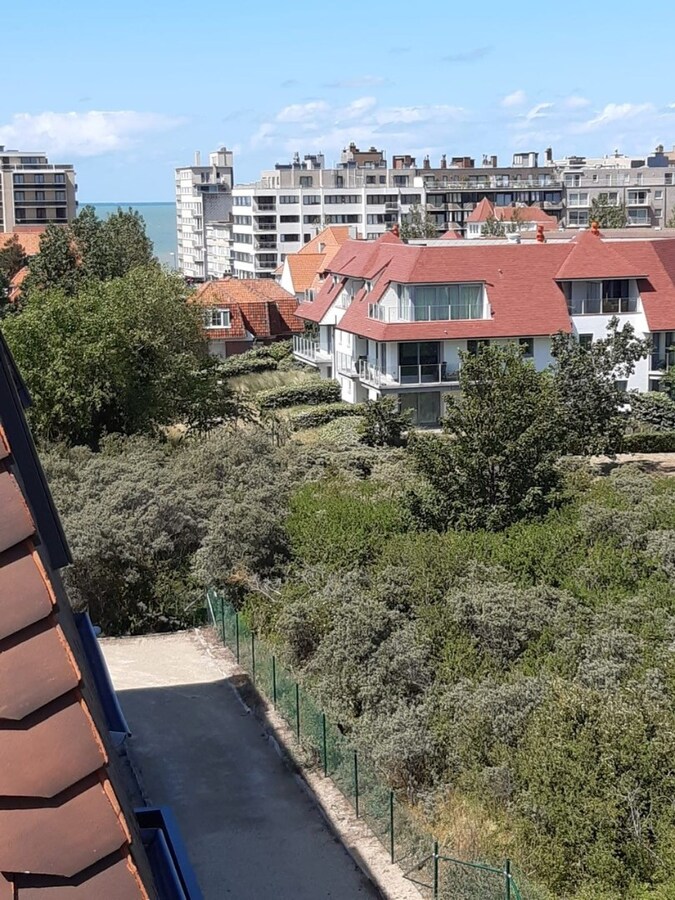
(346, 364)
(409, 313)
(309, 349)
(421, 374)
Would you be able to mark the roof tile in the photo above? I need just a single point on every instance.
(25, 597)
(15, 522)
(36, 667)
(49, 751)
(118, 881)
(47, 839)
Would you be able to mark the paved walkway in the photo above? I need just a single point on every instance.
(251, 830)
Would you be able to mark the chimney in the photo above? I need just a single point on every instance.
(595, 227)
(548, 154)
(444, 162)
(493, 162)
(541, 237)
(427, 163)
(395, 230)
(198, 158)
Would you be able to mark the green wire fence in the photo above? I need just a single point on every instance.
(439, 877)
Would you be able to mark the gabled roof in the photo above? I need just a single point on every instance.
(486, 209)
(307, 265)
(591, 257)
(258, 306)
(304, 269)
(452, 235)
(65, 830)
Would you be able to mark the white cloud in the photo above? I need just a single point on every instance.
(91, 133)
(406, 115)
(537, 112)
(617, 112)
(517, 98)
(576, 102)
(357, 108)
(302, 112)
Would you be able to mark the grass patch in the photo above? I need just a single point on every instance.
(265, 381)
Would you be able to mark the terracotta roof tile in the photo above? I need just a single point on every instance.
(47, 839)
(25, 597)
(30, 241)
(15, 521)
(40, 668)
(52, 750)
(591, 257)
(117, 880)
(304, 269)
(485, 209)
(257, 306)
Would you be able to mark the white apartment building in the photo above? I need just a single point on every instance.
(393, 318)
(203, 202)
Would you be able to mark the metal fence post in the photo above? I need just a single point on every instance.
(274, 681)
(435, 870)
(391, 826)
(253, 655)
(356, 783)
(222, 616)
(297, 711)
(236, 628)
(325, 744)
(507, 879)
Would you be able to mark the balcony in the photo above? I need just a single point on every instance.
(424, 374)
(408, 313)
(346, 364)
(308, 350)
(262, 246)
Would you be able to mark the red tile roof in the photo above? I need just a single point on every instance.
(522, 283)
(485, 209)
(308, 264)
(258, 306)
(63, 829)
(452, 235)
(30, 241)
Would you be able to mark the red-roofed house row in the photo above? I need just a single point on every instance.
(393, 318)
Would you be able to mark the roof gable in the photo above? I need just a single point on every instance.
(592, 257)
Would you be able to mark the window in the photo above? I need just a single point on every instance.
(289, 198)
(658, 195)
(586, 341)
(306, 181)
(572, 180)
(242, 238)
(311, 220)
(19, 196)
(383, 179)
(40, 196)
(380, 199)
(20, 214)
(242, 220)
(577, 217)
(658, 212)
(668, 178)
(371, 179)
(621, 385)
(472, 346)
(217, 318)
(611, 197)
(311, 199)
(289, 218)
(414, 198)
(577, 198)
(342, 220)
(60, 213)
(18, 179)
(240, 256)
(401, 180)
(589, 298)
(61, 196)
(40, 213)
(39, 179)
(637, 197)
(439, 302)
(527, 346)
(242, 201)
(638, 216)
(341, 198)
(286, 238)
(60, 178)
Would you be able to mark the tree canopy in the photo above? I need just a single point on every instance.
(418, 224)
(606, 214)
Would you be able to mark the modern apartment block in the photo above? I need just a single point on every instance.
(392, 319)
(644, 185)
(33, 191)
(204, 205)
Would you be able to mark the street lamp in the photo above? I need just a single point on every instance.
(174, 263)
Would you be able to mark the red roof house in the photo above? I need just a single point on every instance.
(521, 218)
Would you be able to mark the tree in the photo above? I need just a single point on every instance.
(383, 423)
(498, 462)
(56, 266)
(117, 356)
(606, 214)
(585, 382)
(12, 260)
(515, 223)
(418, 224)
(493, 227)
(670, 223)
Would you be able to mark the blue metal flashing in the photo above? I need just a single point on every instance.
(175, 877)
(117, 724)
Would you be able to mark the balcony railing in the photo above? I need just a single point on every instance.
(346, 364)
(407, 313)
(309, 349)
(422, 374)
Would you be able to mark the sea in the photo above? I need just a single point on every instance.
(160, 225)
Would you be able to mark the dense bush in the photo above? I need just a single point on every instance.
(309, 393)
(384, 423)
(653, 410)
(321, 415)
(649, 442)
(246, 363)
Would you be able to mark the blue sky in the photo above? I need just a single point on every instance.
(129, 90)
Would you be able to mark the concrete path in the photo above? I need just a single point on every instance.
(251, 830)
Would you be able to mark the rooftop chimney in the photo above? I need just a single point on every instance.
(198, 158)
(541, 237)
(395, 230)
(444, 162)
(595, 227)
(427, 163)
(548, 153)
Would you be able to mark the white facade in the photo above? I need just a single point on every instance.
(203, 199)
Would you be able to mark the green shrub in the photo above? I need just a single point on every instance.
(384, 424)
(310, 393)
(280, 350)
(321, 415)
(245, 363)
(655, 410)
(649, 442)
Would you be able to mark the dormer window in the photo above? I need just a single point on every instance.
(217, 318)
(440, 302)
(607, 297)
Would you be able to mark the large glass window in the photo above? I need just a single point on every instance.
(425, 407)
(588, 298)
(419, 362)
(434, 302)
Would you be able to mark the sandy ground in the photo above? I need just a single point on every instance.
(656, 463)
(254, 829)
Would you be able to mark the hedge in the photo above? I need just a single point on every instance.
(321, 415)
(309, 393)
(244, 364)
(654, 409)
(649, 442)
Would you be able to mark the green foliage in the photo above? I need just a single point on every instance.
(12, 260)
(118, 356)
(418, 224)
(309, 393)
(649, 442)
(499, 462)
(245, 364)
(590, 403)
(654, 410)
(383, 423)
(321, 415)
(606, 214)
(56, 266)
(493, 227)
